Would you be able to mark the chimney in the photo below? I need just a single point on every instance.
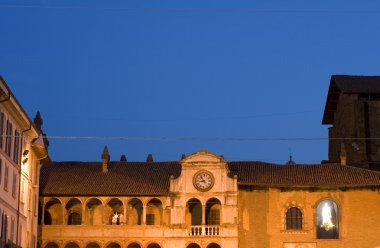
(38, 121)
(183, 156)
(123, 158)
(105, 159)
(343, 155)
(149, 159)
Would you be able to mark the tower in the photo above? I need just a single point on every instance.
(353, 110)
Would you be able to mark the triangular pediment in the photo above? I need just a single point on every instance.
(203, 156)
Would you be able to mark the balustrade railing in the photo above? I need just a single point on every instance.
(204, 230)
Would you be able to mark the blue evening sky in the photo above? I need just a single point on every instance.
(172, 77)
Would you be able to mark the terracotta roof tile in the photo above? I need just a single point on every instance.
(307, 175)
(140, 178)
(122, 178)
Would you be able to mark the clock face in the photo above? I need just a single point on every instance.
(203, 180)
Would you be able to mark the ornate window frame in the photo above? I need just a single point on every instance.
(305, 227)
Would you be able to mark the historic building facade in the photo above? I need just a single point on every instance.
(21, 150)
(203, 201)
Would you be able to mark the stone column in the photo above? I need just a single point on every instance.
(203, 214)
(83, 214)
(125, 215)
(104, 215)
(64, 214)
(143, 214)
(43, 213)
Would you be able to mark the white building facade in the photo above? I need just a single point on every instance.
(21, 151)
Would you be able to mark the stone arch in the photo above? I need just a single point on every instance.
(115, 212)
(193, 215)
(213, 245)
(153, 245)
(53, 212)
(51, 245)
(71, 245)
(213, 211)
(134, 245)
(135, 208)
(92, 245)
(113, 245)
(74, 212)
(154, 212)
(193, 245)
(94, 212)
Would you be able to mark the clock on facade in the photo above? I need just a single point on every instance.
(203, 180)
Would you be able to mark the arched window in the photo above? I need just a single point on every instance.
(115, 212)
(194, 212)
(92, 245)
(293, 218)
(154, 245)
(74, 210)
(154, 212)
(193, 245)
(213, 207)
(213, 245)
(135, 208)
(94, 212)
(134, 245)
(113, 245)
(51, 245)
(327, 220)
(71, 245)
(53, 212)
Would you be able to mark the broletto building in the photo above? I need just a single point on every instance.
(203, 201)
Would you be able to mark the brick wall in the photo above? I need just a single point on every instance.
(262, 218)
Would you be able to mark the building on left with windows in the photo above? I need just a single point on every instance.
(23, 148)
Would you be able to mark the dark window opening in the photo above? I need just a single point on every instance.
(74, 219)
(293, 218)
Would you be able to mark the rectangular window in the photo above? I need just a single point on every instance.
(16, 149)
(1, 170)
(30, 198)
(150, 219)
(1, 129)
(35, 204)
(1, 223)
(14, 182)
(22, 190)
(6, 177)
(12, 228)
(213, 217)
(8, 138)
(4, 226)
(20, 234)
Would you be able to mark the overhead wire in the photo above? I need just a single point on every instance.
(200, 138)
(193, 10)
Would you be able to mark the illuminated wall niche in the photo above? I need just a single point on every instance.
(327, 220)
